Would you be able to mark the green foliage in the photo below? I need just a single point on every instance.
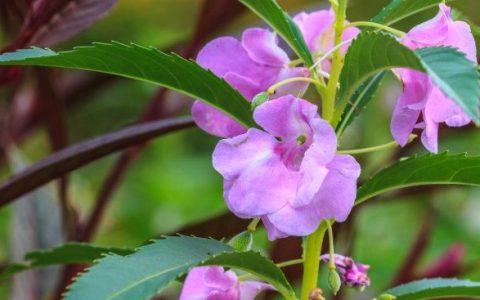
(144, 273)
(359, 101)
(145, 64)
(398, 10)
(435, 288)
(242, 241)
(431, 169)
(258, 265)
(373, 52)
(72, 253)
(275, 16)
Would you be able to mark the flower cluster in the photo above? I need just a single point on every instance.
(420, 95)
(214, 283)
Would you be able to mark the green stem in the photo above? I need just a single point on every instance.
(328, 106)
(330, 246)
(271, 90)
(394, 31)
(289, 263)
(311, 264)
(253, 225)
(376, 148)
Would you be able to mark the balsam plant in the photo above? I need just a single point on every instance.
(280, 155)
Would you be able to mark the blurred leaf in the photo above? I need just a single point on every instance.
(72, 253)
(52, 21)
(83, 153)
(275, 16)
(435, 288)
(398, 10)
(450, 70)
(146, 64)
(359, 101)
(430, 169)
(256, 264)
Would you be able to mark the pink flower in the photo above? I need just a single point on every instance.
(289, 175)
(352, 274)
(213, 283)
(318, 31)
(420, 95)
(251, 66)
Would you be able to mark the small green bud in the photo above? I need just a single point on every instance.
(386, 297)
(242, 241)
(259, 99)
(334, 281)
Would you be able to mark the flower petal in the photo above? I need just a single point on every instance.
(337, 194)
(300, 221)
(262, 47)
(272, 232)
(204, 282)
(432, 32)
(296, 89)
(214, 121)
(250, 289)
(259, 183)
(314, 26)
(286, 117)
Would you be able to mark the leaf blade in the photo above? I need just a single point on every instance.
(277, 18)
(145, 64)
(398, 10)
(433, 288)
(430, 169)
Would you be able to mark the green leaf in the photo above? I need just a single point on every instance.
(398, 10)
(275, 16)
(359, 101)
(144, 273)
(72, 253)
(146, 64)
(430, 169)
(258, 265)
(435, 288)
(374, 52)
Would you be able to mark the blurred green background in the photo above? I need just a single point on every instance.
(173, 185)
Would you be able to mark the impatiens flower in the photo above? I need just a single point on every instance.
(214, 283)
(420, 96)
(289, 175)
(318, 31)
(251, 66)
(352, 274)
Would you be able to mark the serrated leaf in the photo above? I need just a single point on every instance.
(374, 52)
(71, 253)
(359, 101)
(258, 265)
(275, 16)
(430, 169)
(435, 288)
(398, 10)
(146, 64)
(144, 273)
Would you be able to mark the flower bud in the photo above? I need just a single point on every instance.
(242, 241)
(351, 273)
(334, 281)
(259, 99)
(386, 297)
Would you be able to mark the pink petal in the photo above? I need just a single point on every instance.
(286, 117)
(215, 122)
(441, 109)
(337, 195)
(300, 221)
(314, 25)
(432, 32)
(260, 182)
(430, 135)
(205, 282)
(272, 232)
(296, 89)
(262, 47)
(250, 289)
